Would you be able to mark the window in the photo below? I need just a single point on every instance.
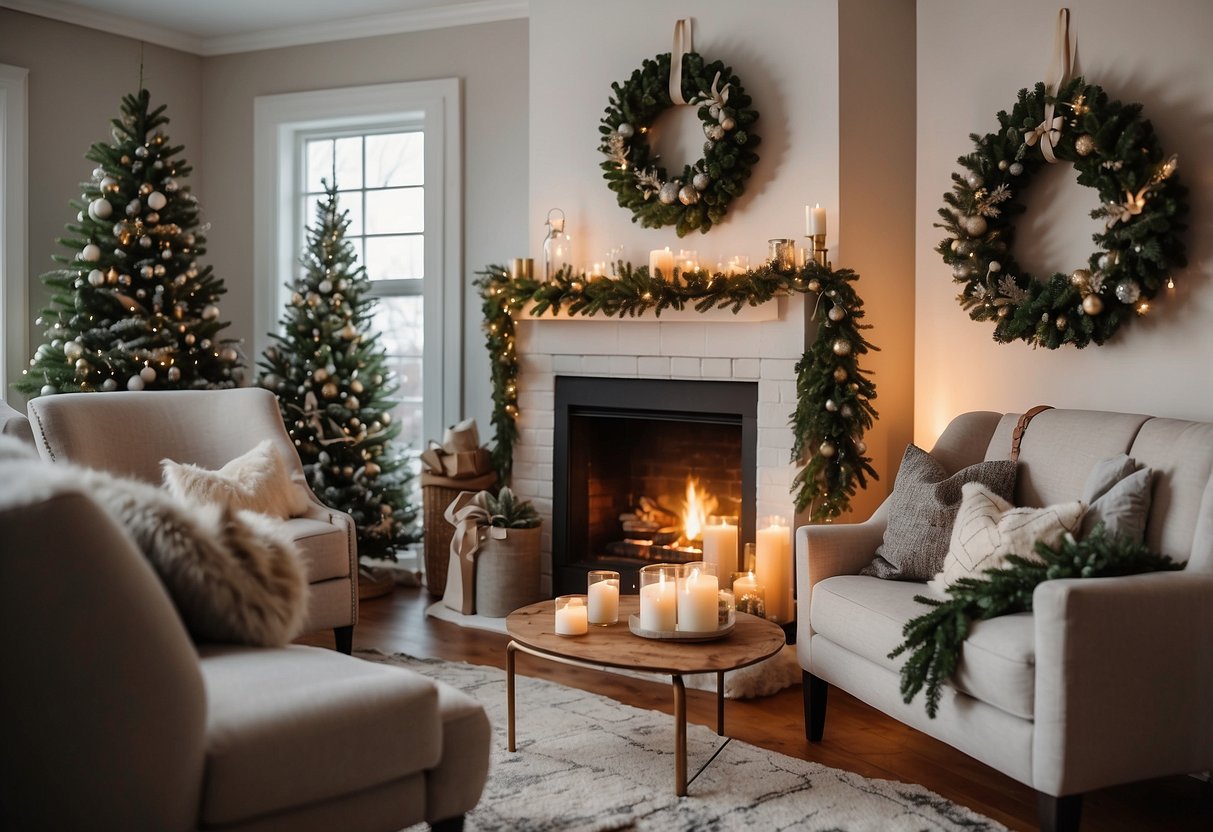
(13, 210)
(393, 151)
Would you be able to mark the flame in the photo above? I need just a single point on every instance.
(695, 513)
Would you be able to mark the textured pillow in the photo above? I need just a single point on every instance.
(921, 510)
(255, 481)
(233, 577)
(988, 528)
(1118, 495)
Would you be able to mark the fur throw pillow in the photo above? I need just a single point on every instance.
(255, 481)
(988, 528)
(233, 576)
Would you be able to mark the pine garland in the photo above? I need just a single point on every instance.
(1115, 150)
(935, 638)
(834, 395)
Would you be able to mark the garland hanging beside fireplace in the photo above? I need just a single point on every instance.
(834, 396)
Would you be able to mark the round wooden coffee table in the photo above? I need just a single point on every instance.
(532, 630)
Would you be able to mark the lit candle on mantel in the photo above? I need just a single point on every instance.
(571, 619)
(720, 545)
(662, 259)
(698, 603)
(815, 220)
(659, 606)
(773, 568)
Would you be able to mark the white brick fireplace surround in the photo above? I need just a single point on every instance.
(679, 345)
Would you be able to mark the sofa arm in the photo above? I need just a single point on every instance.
(1124, 679)
(828, 550)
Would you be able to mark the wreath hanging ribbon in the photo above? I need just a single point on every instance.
(697, 197)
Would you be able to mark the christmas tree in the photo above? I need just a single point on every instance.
(131, 307)
(334, 389)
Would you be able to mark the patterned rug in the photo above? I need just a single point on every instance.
(588, 763)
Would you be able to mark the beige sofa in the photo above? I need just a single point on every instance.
(1108, 681)
(115, 720)
(129, 433)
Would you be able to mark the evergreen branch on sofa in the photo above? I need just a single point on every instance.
(934, 639)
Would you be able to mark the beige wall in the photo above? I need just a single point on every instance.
(972, 58)
(77, 78)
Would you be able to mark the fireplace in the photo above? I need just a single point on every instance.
(631, 456)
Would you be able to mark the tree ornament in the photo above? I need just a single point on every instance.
(91, 253)
(1143, 205)
(352, 402)
(827, 449)
(631, 169)
(847, 412)
(134, 383)
(831, 406)
(329, 391)
(975, 226)
(174, 374)
(96, 278)
(210, 312)
(324, 287)
(148, 373)
(156, 201)
(687, 195)
(1128, 292)
(228, 355)
(974, 180)
(840, 374)
(841, 347)
(861, 447)
(836, 313)
(100, 209)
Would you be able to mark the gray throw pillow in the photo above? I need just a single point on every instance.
(922, 509)
(1118, 495)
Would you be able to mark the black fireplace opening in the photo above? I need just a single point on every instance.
(638, 465)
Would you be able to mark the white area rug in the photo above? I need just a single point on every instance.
(771, 676)
(586, 763)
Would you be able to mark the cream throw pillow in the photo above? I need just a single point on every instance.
(255, 481)
(988, 528)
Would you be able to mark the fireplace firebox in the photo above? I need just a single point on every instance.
(638, 464)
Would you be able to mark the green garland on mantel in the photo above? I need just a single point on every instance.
(834, 396)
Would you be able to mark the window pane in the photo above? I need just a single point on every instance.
(319, 163)
(398, 322)
(398, 211)
(351, 202)
(349, 163)
(395, 159)
(392, 258)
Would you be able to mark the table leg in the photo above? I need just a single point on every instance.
(509, 693)
(720, 703)
(680, 737)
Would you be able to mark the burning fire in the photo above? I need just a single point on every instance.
(696, 510)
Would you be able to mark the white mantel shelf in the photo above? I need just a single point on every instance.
(747, 314)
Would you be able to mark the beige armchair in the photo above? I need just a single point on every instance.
(129, 434)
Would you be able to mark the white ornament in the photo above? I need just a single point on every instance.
(109, 184)
(174, 374)
(170, 185)
(100, 209)
(714, 111)
(229, 355)
(210, 312)
(109, 385)
(156, 201)
(626, 130)
(134, 383)
(325, 286)
(166, 254)
(145, 241)
(96, 278)
(861, 447)
(1015, 168)
(148, 373)
(133, 207)
(975, 225)
(72, 350)
(701, 181)
(668, 193)
(995, 266)
(48, 390)
(836, 313)
(973, 178)
(1128, 292)
(831, 406)
(827, 449)
(90, 253)
(842, 347)
(847, 411)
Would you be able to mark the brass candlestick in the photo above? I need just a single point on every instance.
(819, 250)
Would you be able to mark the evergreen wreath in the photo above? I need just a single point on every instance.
(1143, 205)
(834, 396)
(699, 196)
(934, 639)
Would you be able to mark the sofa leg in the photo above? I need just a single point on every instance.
(454, 824)
(1058, 814)
(345, 639)
(815, 691)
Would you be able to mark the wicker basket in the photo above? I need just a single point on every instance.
(436, 494)
(507, 573)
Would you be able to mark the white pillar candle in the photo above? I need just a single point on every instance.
(662, 259)
(720, 545)
(698, 603)
(814, 220)
(773, 568)
(571, 617)
(604, 602)
(659, 606)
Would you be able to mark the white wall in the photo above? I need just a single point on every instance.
(972, 59)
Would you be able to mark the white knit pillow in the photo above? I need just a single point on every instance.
(988, 528)
(255, 481)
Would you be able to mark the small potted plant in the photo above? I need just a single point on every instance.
(507, 565)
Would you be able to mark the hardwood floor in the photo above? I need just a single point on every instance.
(857, 738)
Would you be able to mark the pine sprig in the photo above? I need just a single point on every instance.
(935, 638)
(834, 395)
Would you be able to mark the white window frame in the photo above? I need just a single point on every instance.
(14, 229)
(280, 122)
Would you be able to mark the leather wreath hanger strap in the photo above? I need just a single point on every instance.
(1021, 427)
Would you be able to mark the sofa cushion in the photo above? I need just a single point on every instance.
(257, 480)
(866, 615)
(300, 725)
(922, 508)
(1117, 495)
(1181, 455)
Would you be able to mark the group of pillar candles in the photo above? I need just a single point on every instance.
(689, 597)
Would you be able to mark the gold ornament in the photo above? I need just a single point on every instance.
(329, 391)
(1080, 278)
(1092, 304)
(840, 375)
(1084, 145)
(842, 346)
(827, 449)
(1062, 322)
(356, 386)
(372, 470)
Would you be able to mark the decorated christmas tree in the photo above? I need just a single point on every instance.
(334, 388)
(131, 307)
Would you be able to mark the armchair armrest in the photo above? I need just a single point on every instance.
(1124, 679)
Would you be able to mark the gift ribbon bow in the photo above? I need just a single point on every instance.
(469, 514)
(683, 44)
(719, 95)
(1048, 132)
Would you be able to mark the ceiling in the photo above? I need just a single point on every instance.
(215, 27)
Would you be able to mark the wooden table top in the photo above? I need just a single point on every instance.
(752, 640)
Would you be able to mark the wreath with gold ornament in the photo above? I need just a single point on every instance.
(698, 196)
(1143, 206)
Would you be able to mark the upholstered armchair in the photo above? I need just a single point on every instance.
(129, 433)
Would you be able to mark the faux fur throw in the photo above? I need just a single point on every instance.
(255, 481)
(233, 576)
